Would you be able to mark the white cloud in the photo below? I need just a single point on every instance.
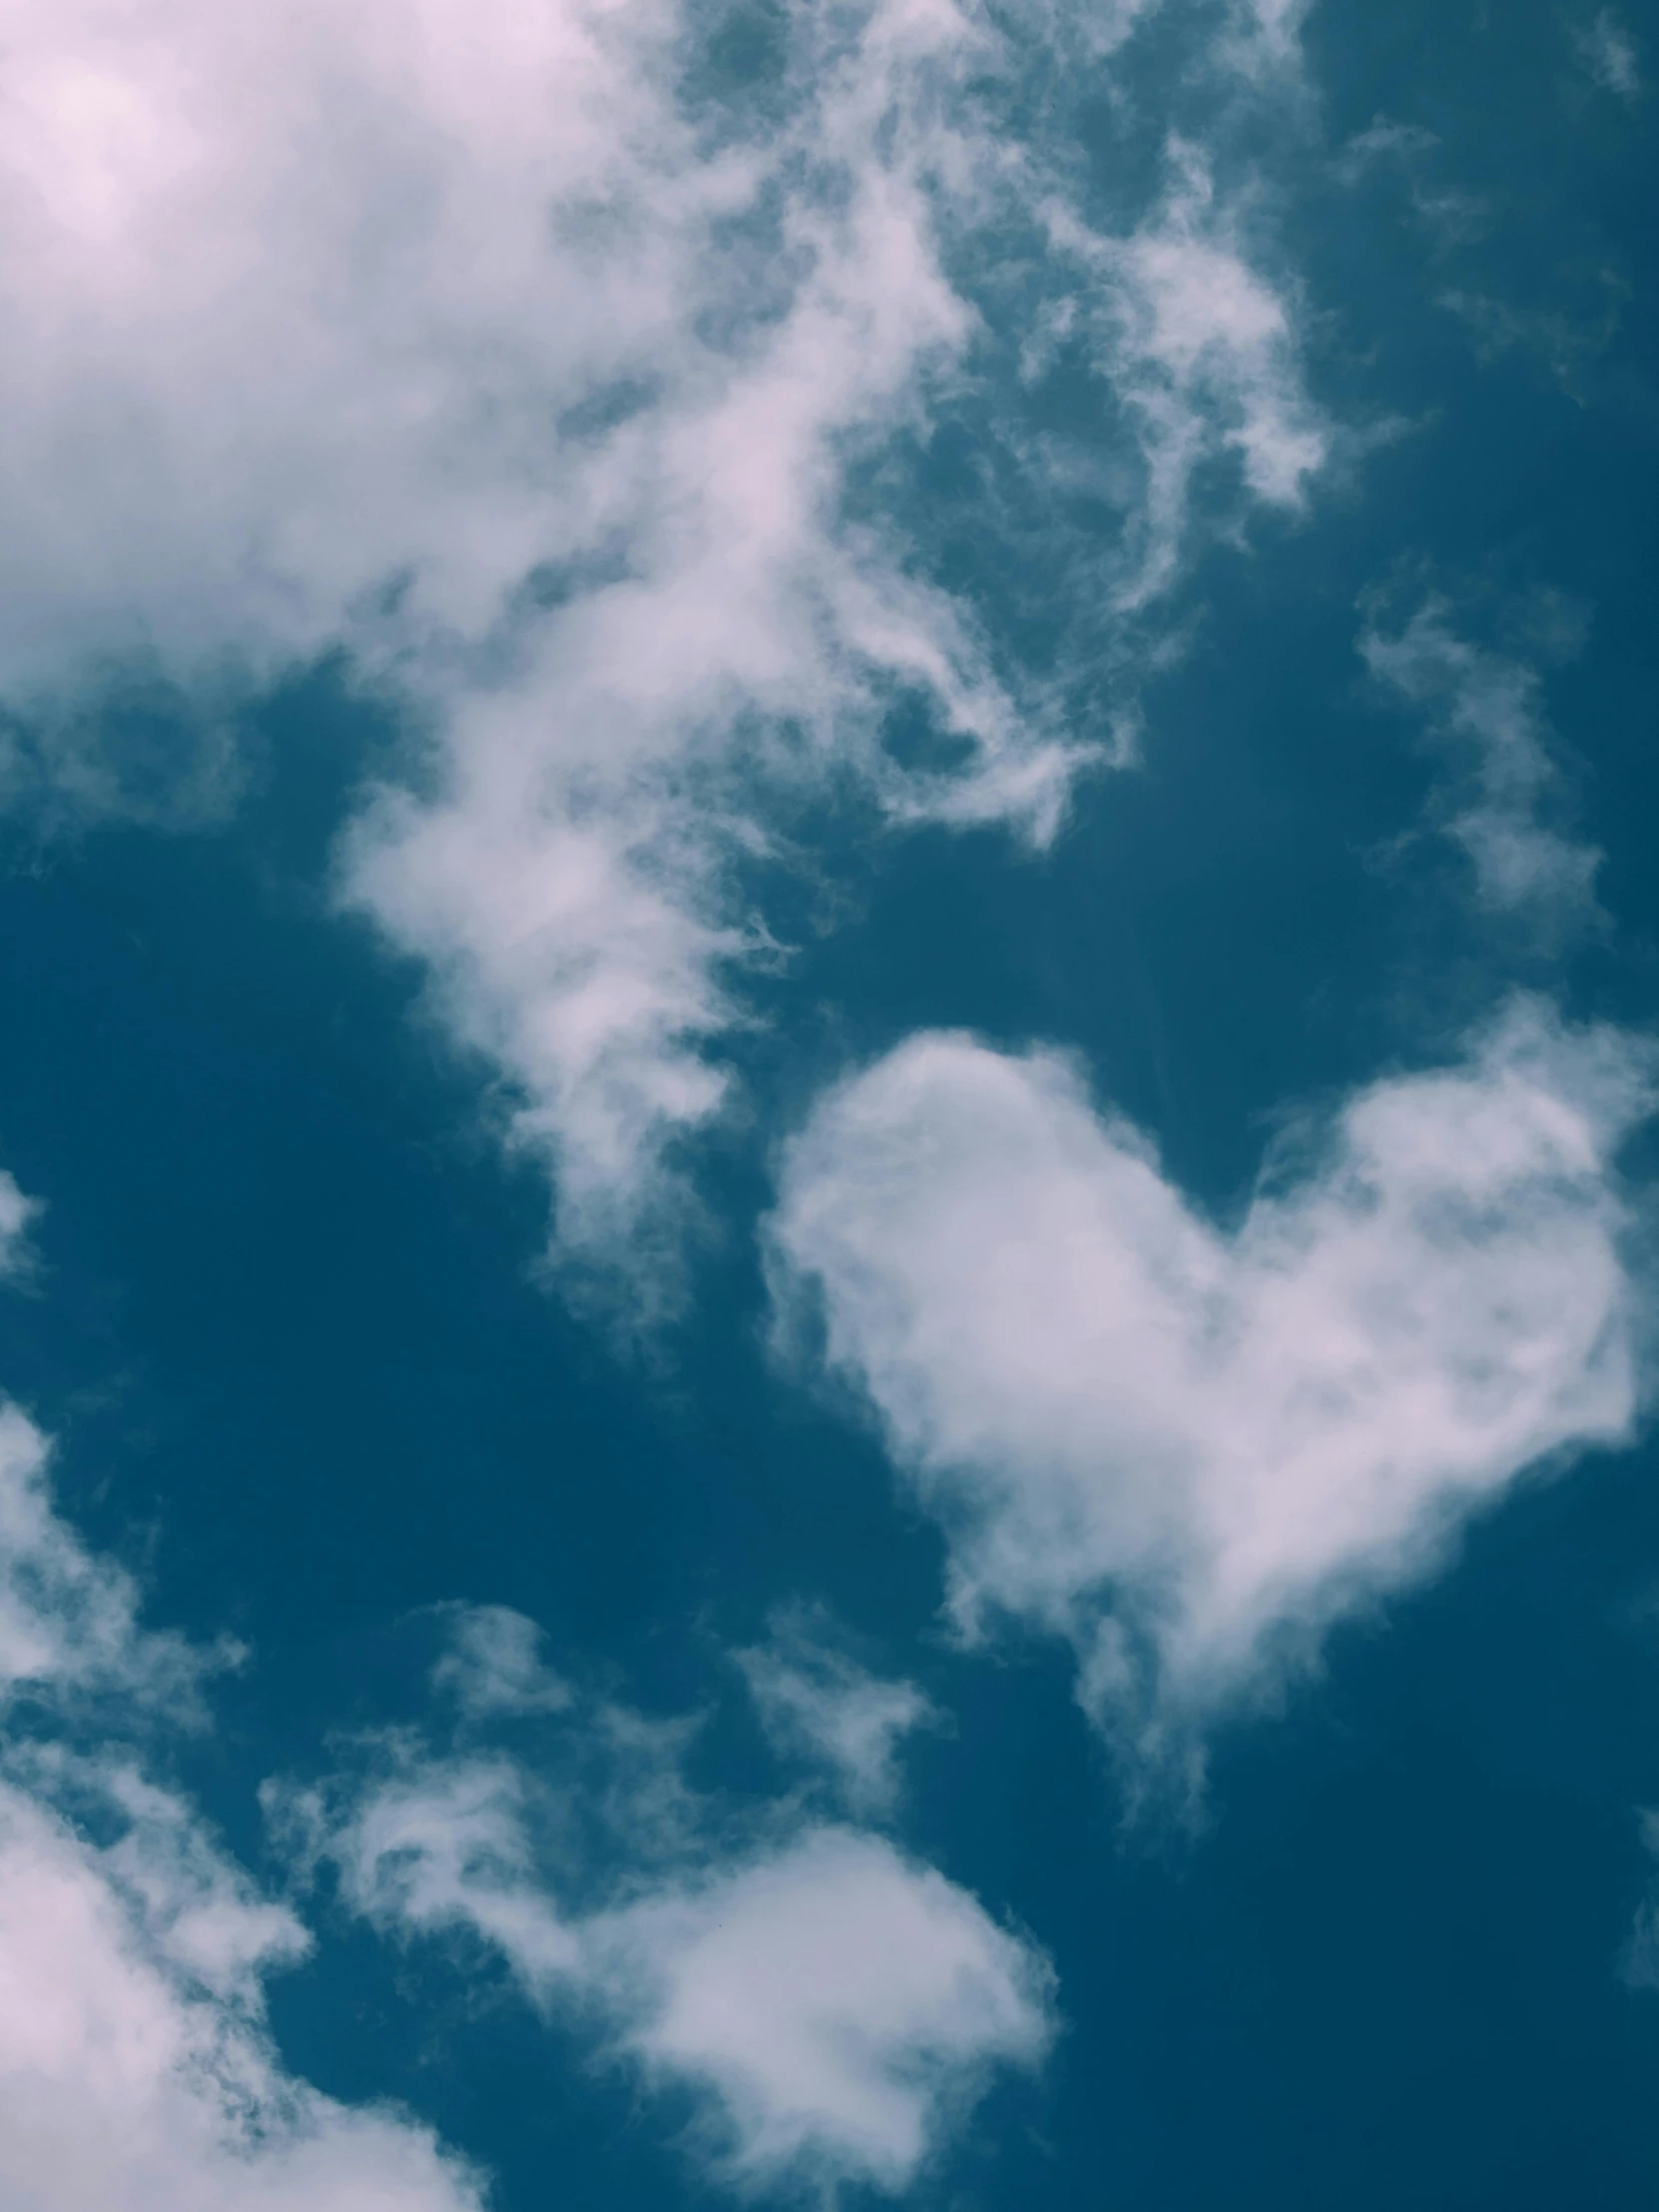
(16, 1215)
(1486, 712)
(1452, 217)
(571, 889)
(834, 2007)
(1381, 141)
(446, 331)
(283, 314)
(1201, 348)
(1279, 20)
(459, 335)
(136, 2070)
(1608, 52)
(815, 1700)
(1640, 1963)
(68, 1620)
(842, 2003)
(445, 1845)
(132, 2081)
(1185, 1448)
(493, 1664)
(838, 2005)
(1253, 32)
(1267, 40)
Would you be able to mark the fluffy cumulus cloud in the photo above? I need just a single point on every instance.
(841, 2002)
(1188, 1445)
(136, 2070)
(834, 2006)
(1502, 800)
(551, 371)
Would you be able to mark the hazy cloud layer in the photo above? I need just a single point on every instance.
(1188, 1446)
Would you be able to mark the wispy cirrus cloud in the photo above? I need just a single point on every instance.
(1199, 347)
(1502, 799)
(1452, 216)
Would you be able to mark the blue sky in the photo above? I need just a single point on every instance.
(832, 1000)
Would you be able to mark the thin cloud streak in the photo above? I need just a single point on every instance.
(1502, 800)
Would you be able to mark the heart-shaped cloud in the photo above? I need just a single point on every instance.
(1186, 1446)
